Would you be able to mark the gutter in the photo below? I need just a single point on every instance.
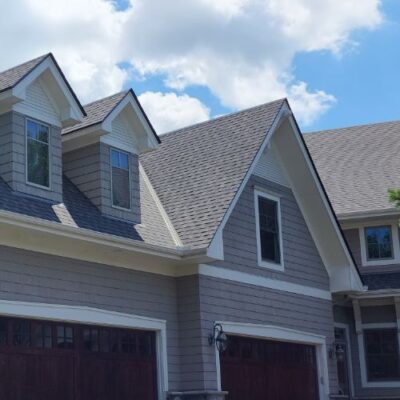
(348, 217)
(117, 242)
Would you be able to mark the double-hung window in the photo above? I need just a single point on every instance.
(268, 231)
(382, 354)
(121, 192)
(379, 243)
(37, 153)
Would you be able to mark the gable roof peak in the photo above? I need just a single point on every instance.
(221, 118)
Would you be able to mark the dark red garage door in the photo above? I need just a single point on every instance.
(42, 360)
(255, 369)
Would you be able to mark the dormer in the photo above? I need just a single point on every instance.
(101, 154)
(36, 102)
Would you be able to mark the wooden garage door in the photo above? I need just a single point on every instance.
(255, 369)
(42, 360)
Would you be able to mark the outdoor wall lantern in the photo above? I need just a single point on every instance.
(337, 350)
(219, 338)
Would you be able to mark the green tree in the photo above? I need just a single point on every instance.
(394, 197)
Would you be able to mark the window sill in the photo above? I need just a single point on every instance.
(271, 265)
(37, 186)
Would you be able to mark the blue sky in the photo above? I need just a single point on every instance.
(336, 60)
(365, 79)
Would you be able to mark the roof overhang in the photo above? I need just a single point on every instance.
(51, 76)
(312, 199)
(145, 137)
(347, 218)
(53, 238)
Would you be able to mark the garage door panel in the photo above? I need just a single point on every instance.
(43, 360)
(257, 369)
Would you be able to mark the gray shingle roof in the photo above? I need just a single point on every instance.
(12, 76)
(197, 170)
(358, 165)
(77, 210)
(97, 111)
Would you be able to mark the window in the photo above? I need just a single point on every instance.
(379, 242)
(37, 153)
(120, 179)
(65, 337)
(382, 354)
(268, 229)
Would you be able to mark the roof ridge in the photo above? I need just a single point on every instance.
(343, 128)
(42, 57)
(225, 116)
(107, 97)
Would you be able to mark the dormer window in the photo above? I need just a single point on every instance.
(37, 154)
(120, 180)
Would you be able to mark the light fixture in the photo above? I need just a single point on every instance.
(219, 338)
(339, 352)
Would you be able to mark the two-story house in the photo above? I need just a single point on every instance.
(357, 166)
(205, 264)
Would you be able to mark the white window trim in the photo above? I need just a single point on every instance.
(395, 244)
(95, 316)
(281, 334)
(261, 262)
(360, 327)
(129, 180)
(36, 121)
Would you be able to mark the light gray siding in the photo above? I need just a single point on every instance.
(303, 264)
(89, 169)
(13, 157)
(222, 300)
(34, 277)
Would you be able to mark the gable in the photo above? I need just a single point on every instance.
(311, 198)
(269, 167)
(121, 135)
(39, 105)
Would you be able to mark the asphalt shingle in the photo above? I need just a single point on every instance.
(358, 165)
(12, 76)
(97, 111)
(197, 170)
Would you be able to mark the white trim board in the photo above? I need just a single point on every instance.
(250, 279)
(95, 316)
(283, 335)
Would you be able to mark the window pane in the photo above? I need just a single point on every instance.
(3, 332)
(382, 354)
(32, 129)
(43, 134)
(37, 334)
(114, 158)
(269, 229)
(38, 162)
(91, 339)
(379, 242)
(21, 333)
(65, 338)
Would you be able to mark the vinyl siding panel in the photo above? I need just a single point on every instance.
(38, 105)
(303, 264)
(34, 277)
(13, 157)
(89, 169)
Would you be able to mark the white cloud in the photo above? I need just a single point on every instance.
(168, 111)
(242, 50)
